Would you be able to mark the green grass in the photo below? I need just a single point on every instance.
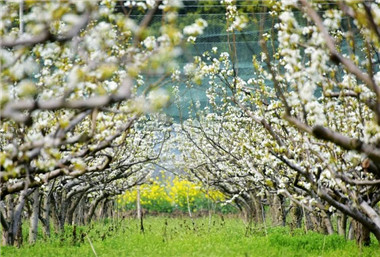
(179, 237)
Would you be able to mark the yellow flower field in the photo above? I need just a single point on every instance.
(166, 195)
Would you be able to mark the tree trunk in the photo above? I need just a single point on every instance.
(275, 209)
(34, 217)
(104, 209)
(361, 233)
(296, 217)
(79, 213)
(18, 235)
(55, 212)
(93, 206)
(351, 234)
(283, 210)
(327, 223)
(46, 214)
(110, 209)
(7, 213)
(314, 221)
(138, 203)
(309, 223)
(247, 210)
(257, 210)
(342, 224)
(62, 212)
(71, 210)
(16, 231)
(5, 229)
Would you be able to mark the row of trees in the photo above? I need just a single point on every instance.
(304, 126)
(77, 108)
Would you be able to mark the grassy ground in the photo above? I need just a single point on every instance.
(180, 237)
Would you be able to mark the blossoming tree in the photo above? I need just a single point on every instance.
(79, 77)
(75, 80)
(312, 105)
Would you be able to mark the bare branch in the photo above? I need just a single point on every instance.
(146, 21)
(297, 123)
(358, 182)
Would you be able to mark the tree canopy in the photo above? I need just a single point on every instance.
(83, 84)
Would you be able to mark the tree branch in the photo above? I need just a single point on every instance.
(14, 109)
(336, 56)
(46, 35)
(347, 143)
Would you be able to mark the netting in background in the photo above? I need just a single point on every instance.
(215, 35)
(245, 42)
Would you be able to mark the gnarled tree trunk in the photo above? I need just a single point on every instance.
(34, 217)
(93, 206)
(361, 233)
(46, 215)
(71, 210)
(7, 211)
(342, 224)
(276, 210)
(327, 223)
